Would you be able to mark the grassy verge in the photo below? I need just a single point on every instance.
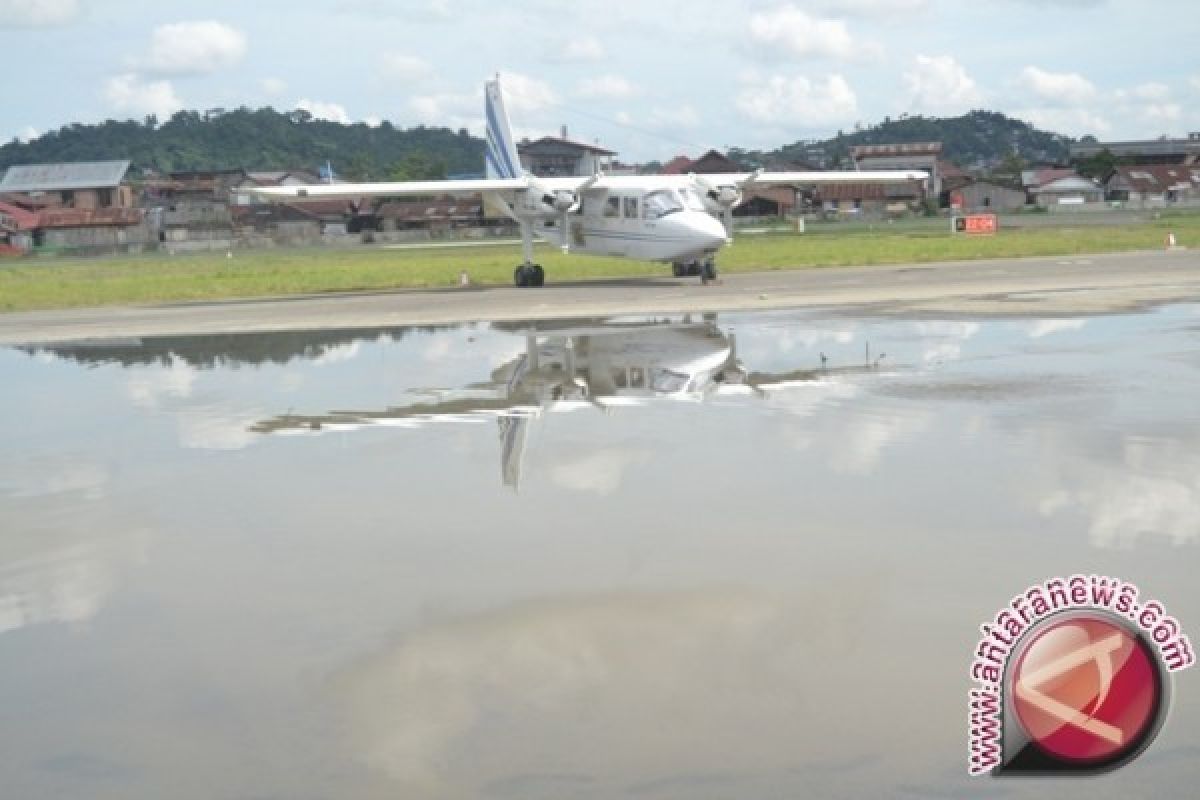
(65, 283)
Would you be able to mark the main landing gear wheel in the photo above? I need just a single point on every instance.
(529, 275)
(682, 269)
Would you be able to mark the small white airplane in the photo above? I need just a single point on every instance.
(667, 218)
(572, 366)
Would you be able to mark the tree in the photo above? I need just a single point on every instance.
(417, 166)
(1099, 166)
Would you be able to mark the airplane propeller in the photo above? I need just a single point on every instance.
(567, 201)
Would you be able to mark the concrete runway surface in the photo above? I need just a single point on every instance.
(1028, 286)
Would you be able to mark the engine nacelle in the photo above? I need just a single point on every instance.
(722, 198)
(541, 202)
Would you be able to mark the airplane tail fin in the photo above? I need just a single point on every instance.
(500, 157)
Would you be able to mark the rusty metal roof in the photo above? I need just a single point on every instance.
(1157, 179)
(15, 218)
(64, 177)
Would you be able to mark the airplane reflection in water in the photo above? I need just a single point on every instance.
(581, 365)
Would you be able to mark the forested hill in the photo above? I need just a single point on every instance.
(977, 138)
(262, 139)
(266, 139)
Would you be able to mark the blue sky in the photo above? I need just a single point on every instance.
(648, 79)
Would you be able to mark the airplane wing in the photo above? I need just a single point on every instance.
(389, 189)
(818, 178)
(740, 180)
(575, 184)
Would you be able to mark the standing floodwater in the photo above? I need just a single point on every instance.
(725, 556)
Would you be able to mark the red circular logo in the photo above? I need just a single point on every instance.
(1086, 690)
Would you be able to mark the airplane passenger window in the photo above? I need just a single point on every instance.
(613, 207)
(631, 211)
(660, 203)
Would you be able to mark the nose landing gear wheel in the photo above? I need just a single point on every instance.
(708, 271)
(529, 275)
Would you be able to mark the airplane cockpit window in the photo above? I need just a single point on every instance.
(661, 202)
(692, 199)
(664, 380)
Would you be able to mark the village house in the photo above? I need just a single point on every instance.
(916, 155)
(85, 185)
(1145, 152)
(1154, 186)
(84, 208)
(553, 156)
(988, 196)
(869, 199)
(1055, 190)
(17, 228)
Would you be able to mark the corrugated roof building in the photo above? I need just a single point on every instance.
(907, 155)
(83, 185)
(1154, 185)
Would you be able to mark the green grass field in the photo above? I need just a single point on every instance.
(37, 283)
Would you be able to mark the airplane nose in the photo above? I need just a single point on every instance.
(707, 228)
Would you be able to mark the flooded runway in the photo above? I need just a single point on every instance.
(720, 556)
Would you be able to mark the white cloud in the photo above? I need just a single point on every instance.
(409, 10)
(599, 472)
(150, 387)
(606, 86)
(1071, 121)
(347, 351)
(525, 94)
(193, 48)
(1152, 490)
(601, 666)
(130, 94)
(213, 429)
(1048, 327)
(334, 112)
(37, 13)
(450, 109)
(1153, 92)
(939, 84)
(873, 8)
(580, 50)
(799, 101)
(790, 32)
(1195, 82)
(683, 117)
(27, 134)
(1065, 88)
(402, 68)
(273, 86)
(943, 341)
(1069, 103)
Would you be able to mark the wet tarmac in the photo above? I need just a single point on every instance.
(721, 556)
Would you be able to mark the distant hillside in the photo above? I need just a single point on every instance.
(266, 139)
(975, 139)
(263, 139)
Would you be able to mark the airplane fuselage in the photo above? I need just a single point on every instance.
(649, 223)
